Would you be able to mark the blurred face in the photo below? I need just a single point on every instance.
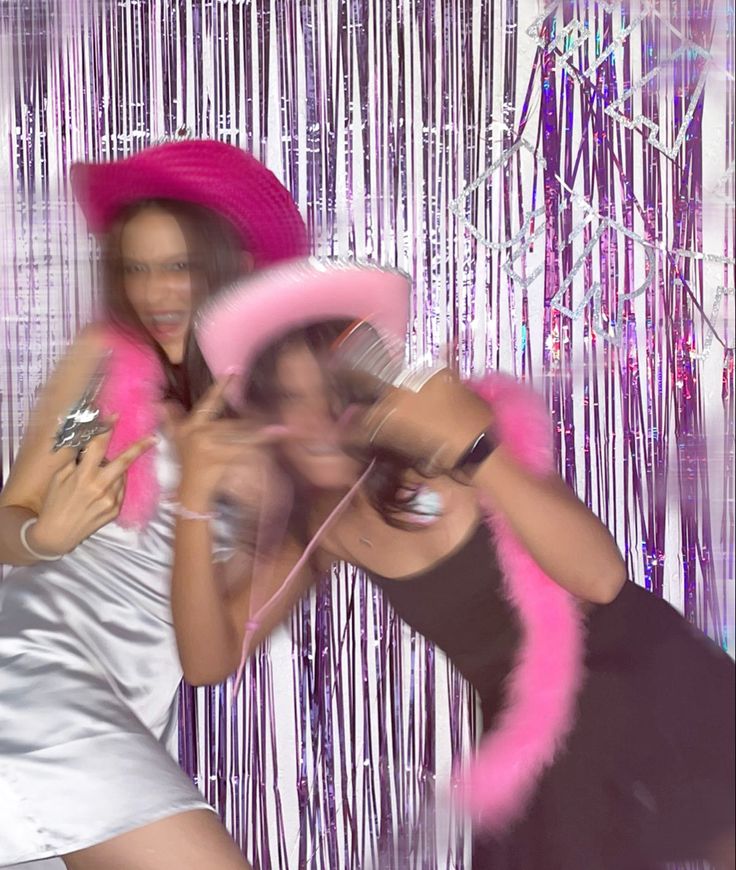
(306, 405)
(157, 277)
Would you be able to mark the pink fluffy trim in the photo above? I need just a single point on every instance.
(542, 688)
(132, 389)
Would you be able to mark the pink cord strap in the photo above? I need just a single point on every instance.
(257, 619)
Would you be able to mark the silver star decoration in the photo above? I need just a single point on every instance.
(82, 422)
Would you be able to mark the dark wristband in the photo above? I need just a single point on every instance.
(477, 453)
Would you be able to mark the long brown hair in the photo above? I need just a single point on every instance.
(219, 259)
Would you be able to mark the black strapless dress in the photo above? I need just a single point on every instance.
(647, 773)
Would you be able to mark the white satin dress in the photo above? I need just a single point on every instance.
(89, 673)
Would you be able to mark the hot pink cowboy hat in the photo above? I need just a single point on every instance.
(238, 323)
(213, 174)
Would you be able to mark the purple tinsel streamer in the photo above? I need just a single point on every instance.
(380, 116)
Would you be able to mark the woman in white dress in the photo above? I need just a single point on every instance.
(89, 670)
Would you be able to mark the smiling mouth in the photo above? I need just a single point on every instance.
(167, 317)
(167, 321)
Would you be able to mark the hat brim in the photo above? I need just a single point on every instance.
(217, 176)
(105, 190)
(240, 323)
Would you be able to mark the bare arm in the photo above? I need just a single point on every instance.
(212, 602)
(566, 540)
(37, 468)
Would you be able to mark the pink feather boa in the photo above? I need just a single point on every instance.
(542, 688)
(132, 388)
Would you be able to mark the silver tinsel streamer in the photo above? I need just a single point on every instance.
(560, 183)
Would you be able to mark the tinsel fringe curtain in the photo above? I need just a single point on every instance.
(560, 183)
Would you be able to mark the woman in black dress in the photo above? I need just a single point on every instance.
(609, 719)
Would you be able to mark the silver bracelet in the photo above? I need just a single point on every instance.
(186, 514)
(29, 549)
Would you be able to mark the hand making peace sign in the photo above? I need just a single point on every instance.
(218, 456)
(83, 495)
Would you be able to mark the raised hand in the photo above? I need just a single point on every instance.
(218, 456)
(82, 497)
(434, 425)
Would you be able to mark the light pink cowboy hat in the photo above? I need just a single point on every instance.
(238, 323)
(213, 174)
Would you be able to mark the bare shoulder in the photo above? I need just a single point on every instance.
(36, 463)
(76, 367)
(365, 539)
(84, 354)
(94, 336)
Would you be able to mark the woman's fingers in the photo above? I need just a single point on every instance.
(68, 468)
(94, 453)
(118, 490)
(220, 448)
(213, 401)
(230, 453)
(234, 432)
(239, 432)
(122, 462)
